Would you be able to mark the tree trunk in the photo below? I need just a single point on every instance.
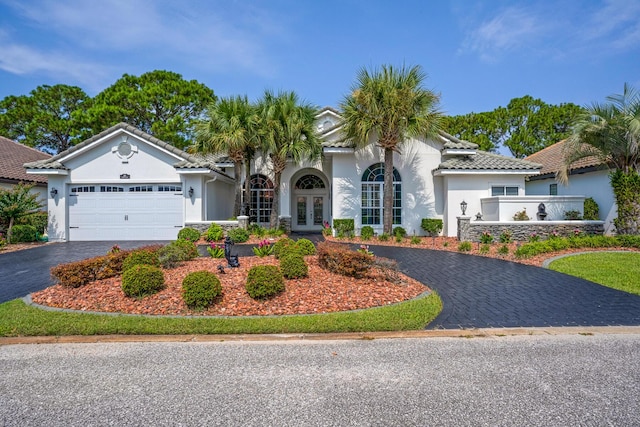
(247, 184)
(275, 206)
(237, 174)
(387, 198)
(10, 230)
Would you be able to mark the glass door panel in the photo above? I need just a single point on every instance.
(302, 210)
(318, 206)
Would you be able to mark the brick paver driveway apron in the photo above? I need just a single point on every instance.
(480, 292)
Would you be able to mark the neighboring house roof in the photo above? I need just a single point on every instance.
(552, 159)
(13, 155)
(484, 161)
(188, 161)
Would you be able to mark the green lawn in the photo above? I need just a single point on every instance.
(617, 270)
(19, 319)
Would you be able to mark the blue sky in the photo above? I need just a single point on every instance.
(478, 54)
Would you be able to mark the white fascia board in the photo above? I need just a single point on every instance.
(192, 171)
(441, 172)
(224, 165)
(459, 151)
(48, 171)
(338, 150)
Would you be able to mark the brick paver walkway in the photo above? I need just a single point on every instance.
(479, 292)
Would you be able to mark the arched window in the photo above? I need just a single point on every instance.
(372, 195)
(309, 182)
(261, 199)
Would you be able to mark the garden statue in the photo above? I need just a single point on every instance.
(542, 212)
(232, 260)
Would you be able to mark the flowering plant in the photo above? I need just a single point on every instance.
(365, 250)
(264, 248)
(326, 228)
(114, 249)
(577, 232)
(486, 237)
(554, 234)
(216, 250)
(533, 237)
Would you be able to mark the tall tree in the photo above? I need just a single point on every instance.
(525, 126)
(390, 105)
(16, 203)
(611, 131)
(48, 118)
(229, 128)
(159, 102)
(287, 132)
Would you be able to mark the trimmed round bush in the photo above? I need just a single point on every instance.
(200, 289)
(215, 233)
(306, 247)
(23, 233)
(142, 280)
(140, 257)
(238, 235)
(293, 266)
(264, 281)
(281, 245)
(399, 231)
(366, 232)
(189, 233)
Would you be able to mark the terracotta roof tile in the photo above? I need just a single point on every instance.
(552, 159)
(484, 161)
(13, 155)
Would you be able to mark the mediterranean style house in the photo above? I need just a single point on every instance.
(588, 177)
(124, 184)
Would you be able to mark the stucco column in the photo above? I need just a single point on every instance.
(464, 226)
(243, 221)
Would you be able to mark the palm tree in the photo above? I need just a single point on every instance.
(16, 203)
(611, 132)
(287, 133)
(390, 105)
(229, 128)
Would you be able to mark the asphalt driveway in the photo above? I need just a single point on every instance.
(477, 292)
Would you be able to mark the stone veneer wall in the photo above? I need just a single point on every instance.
(202, 226)
(522, 230)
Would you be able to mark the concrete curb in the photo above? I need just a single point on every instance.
(347, 336)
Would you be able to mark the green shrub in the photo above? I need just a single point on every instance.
(484, 248)
(383, 237)
(591, 209)
(140, 257)
(190, 234)
(264, 281)
(521, 215)
(486, 238)
(306, 247)
(366, 232)
(257, 230)
(38, 220)
(629, 241)
(503, 250)
(506, 237)
(344, 227)
(415, 240)
(399, 231)
(142, 280)
(214, 233)
(23, 233)
(399, 238)
(280, 245)
(464, 246)
(238, 235)
(171, 255)
(432, 226)
(275, 232)
(200, 289)
(342, 260)
(572, 215)
(293, 266)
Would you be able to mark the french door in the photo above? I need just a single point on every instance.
(309, 212)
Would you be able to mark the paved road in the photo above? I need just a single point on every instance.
(486, 293)
(27, 271)
(501, 381)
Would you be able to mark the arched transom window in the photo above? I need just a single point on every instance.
(261, 199)
(309, 182)
(372, 195)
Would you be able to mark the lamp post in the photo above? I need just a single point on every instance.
(463, 207)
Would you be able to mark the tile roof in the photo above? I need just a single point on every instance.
(188, 161)
(483, 160)
(552, 159)
(13, 155)
(451, 142)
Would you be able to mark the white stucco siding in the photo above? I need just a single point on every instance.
(592, 184)
(471, 188)
(415, 163)
(57, 209)
(220, 199)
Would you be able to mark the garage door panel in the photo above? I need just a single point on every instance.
(125, 215)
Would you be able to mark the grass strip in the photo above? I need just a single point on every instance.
(617, 270)
(20, 319)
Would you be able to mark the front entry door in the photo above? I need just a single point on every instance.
(309, 212)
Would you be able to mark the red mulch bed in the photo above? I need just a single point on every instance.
(321, 292)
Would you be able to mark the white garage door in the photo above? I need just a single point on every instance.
(125, 212)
